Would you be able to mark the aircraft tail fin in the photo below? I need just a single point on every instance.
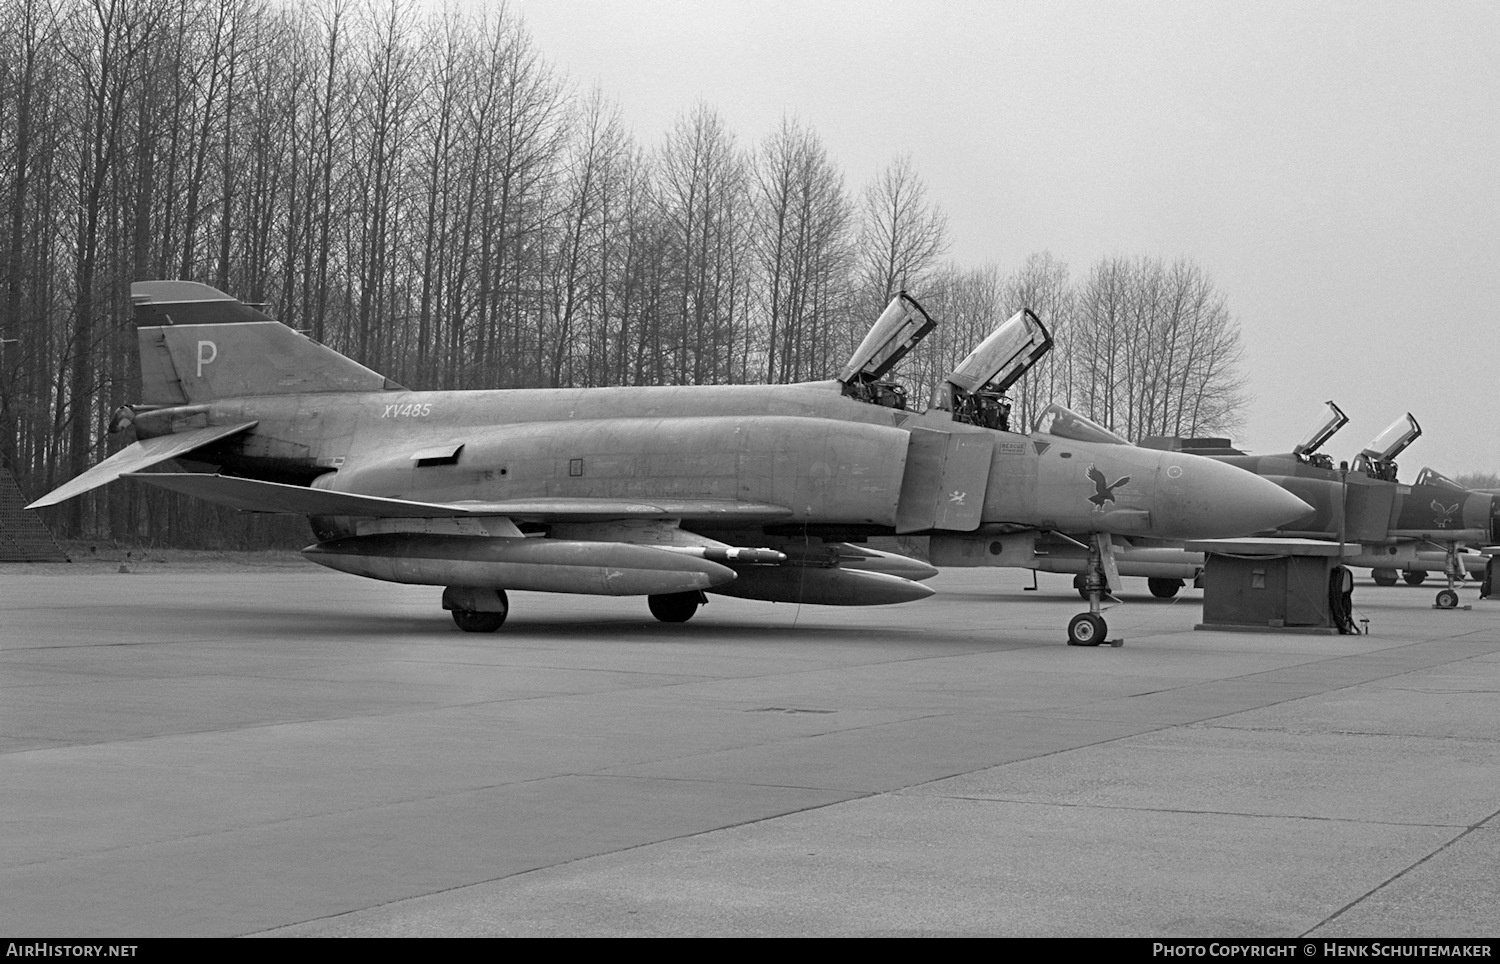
(198, 344)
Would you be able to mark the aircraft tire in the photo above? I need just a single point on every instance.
(1383, 577)
(1447, 599)
(1087, 629)
(675, 607)
(1163, 588)
(471, 621)
(1414, 577)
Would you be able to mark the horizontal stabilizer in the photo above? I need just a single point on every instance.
(251, 495)
(137, 456)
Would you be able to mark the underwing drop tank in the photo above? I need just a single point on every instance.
(543, 565)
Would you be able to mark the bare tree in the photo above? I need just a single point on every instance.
(802, 241)
(28, 115)
(1042, 285)
(701, 193)
(902, 235)
(386, 95)
(104, 44)
(1156, 351)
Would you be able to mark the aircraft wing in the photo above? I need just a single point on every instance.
(251, 495)
(137, 456)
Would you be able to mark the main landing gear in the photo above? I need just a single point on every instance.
(475, 609)
(1090, 629)
(1163, 588)
(481, 610)
(676, 607)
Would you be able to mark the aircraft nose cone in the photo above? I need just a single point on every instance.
(1199, 498)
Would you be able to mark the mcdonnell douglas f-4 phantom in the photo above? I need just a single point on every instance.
(755, 491)
(1382, 523)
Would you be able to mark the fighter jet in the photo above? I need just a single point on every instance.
(757, 491)
(1382, 523)
(1165, 564)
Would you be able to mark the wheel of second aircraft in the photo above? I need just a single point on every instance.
(1414, 577)
(1383, 577)
(472, 621)
(1087, 629)
(675, 607)
(1447, 599)
(1163, 588)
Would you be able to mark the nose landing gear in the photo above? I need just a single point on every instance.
(1090, 629)
(1453, 568)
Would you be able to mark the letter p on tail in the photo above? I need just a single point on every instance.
(207, 353)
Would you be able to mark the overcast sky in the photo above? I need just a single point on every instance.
(1333, 166)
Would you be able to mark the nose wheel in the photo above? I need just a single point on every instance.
(1453, 568)
(1089, 629)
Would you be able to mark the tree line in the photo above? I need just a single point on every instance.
(424, 191)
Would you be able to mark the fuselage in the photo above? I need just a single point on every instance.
(829, 459)
(1377, 512)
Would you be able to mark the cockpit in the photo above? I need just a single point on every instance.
(974, 392)
(894, 334)
(1066, 423)
(1429, 476)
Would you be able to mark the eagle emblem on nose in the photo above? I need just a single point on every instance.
(1444, 513)
(1104, 491)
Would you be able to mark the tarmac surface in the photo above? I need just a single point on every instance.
(289, 751)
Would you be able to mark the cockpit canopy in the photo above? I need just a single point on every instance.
(1323, 430)
(1066, 423)
(1430, 476)
(1394, 440)
(1378, 459)
(1004, 356)
(974, 392)
(895, 332)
